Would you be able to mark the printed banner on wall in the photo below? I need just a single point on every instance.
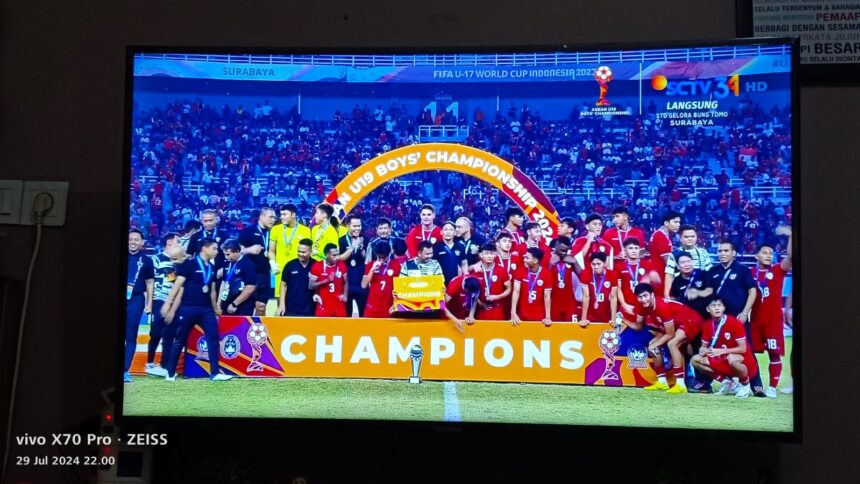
(493, 351)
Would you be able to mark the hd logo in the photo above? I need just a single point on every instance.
(719, 87)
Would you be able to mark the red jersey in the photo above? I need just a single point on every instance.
(616, 238)
(664, 311)
(515, 236)
(461, 302)
(512, 264)
(492, 284)
(726, 333)
(532, 287)
(767, 307)
(380, 297)
(419, 234)
(564, 305)
(598, 245)
(336, 275)
(600, 292)
(630, 274)
(661, 245)
(522, 248)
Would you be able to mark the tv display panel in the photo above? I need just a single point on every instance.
(402, 236)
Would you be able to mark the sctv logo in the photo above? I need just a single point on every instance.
(719, 87)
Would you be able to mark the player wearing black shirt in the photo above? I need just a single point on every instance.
(296, 298)
(239, 284)
(353, 252)
(255, 244)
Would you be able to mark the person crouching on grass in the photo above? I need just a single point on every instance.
(725, 353)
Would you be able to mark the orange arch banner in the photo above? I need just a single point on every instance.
(480, 164)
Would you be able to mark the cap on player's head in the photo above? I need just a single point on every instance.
(328, 248)
(513, 212)
(382, 250)
(425, 244)
(288, 207)
(428, 206)
(232, 245)
(382, 222)
(168, 237)
(597, 256)
(472, 285)
(504, 235)
(670, 215)
(306, 242)
(642, 288)
(621, 209)
(592, 217)
(488, 247)
(536, 252)
(399, 247)
(632, 241)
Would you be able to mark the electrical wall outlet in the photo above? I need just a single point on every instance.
(10, 201)
(58, 191)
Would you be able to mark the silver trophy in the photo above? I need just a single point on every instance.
(416, 353)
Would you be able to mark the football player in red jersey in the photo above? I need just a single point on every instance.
(496, 286)
(328, 278)
(631, 271)
(506, 257)
(532, 296)
(623, 231)
(592, 243)
(514, 218)
(566, 283)
(767, 316)
(661, 242)
(534, 238)
(599, 292)
(427, 230)
(379, 277)
(461, 300)
(725, 353)
(673, 325)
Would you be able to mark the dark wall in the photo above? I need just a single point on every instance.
(61, 115)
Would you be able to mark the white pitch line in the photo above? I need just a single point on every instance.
(452, 403)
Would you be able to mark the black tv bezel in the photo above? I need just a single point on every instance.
(309, 426)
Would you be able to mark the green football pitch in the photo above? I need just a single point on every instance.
(456, 401)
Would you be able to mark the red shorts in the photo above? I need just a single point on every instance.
(629, 317)
(692, 328)
(768, 336)
(376, 313)
(496, 313)
(335, 312)
(562, 314)
(721, 366)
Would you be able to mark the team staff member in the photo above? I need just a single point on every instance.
(209, 222)
(284, 241)
(425, 231)
(623, 231)
(198, 304)
(423, 264)
(255, 244)
(239, 283)
(353, 252)
(461, 300)
(383, 236)
(379, 281)
(700, 257)
(767, 316)
(599, 292)
(328, 277)
(566, 285)
(496, 286)
(324, 232)
(140, 287)
(450, 253)
(296, 296)
(736, 288)
(725, 352)
(164, 266)
(532, 298)
(693, 287)
(471, 241)
(592, 243)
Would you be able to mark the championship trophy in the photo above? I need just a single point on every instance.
(257, 337)
(603, 76)
(416, 353)
(609, 342)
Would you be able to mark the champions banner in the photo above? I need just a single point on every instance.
(482, 165)
(492, 351)
(420, 293)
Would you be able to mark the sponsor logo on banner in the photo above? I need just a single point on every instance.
(230, 347)
(718, 87)
(202, 349)
(419, 293)
(637, 357)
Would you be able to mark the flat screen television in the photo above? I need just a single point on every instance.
(562, 236)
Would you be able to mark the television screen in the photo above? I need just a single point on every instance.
(540, 236)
